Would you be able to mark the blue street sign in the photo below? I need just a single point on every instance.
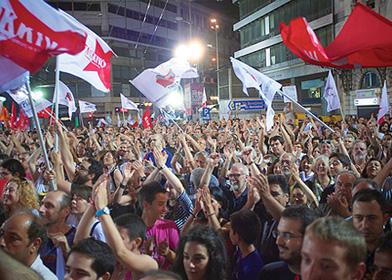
(246, 105)
(206, 114)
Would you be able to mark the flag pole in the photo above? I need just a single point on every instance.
(306, 110)
(171, 119)
(56, 105)
(39, 131)
(52, 117)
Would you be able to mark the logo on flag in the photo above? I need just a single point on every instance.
(166, 80)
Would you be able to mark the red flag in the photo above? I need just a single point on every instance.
(23, 122)
(147, 119)
(135, 124)
(14, 117)
(364, 41)
(32, 31)
(45, 114)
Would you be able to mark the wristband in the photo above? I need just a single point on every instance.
(122, 186)
(143, 178)
(211, 214)
(91, 201)
(104, 210)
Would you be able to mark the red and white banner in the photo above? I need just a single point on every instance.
(66, 98)
(365, 41)
(92, 64)
(147, 119)
(32, 31)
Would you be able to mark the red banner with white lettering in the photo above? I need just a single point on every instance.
(364, 41)
(147, 119)
(92, 64)
(32, 31)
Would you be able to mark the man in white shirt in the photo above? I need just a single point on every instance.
(22, 236)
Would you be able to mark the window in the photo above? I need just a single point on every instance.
(370, 80)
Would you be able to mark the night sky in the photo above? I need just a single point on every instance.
(222, 6)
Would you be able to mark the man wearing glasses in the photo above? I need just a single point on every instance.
(237, 193)
(289, 236)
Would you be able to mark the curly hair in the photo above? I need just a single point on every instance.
(28, 197)
(215, 245)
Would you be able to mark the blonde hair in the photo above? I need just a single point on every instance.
(28, 196)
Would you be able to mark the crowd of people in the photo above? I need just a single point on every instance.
(218, 200)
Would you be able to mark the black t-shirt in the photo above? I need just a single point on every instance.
(266, 243)
(276, 271)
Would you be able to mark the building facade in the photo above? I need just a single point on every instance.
(262, 48)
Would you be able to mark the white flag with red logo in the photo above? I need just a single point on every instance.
(66, 98)
(266, 87)
(384, 104)
(86, 107)
(92, 64)
(331, 94)
(204, 101)
(32, 31)
(159, 83)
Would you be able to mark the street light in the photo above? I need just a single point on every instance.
(191, 51)
(214, 25)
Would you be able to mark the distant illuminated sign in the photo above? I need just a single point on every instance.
(366, 101)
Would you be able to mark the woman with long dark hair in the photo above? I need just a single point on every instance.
(201, 254)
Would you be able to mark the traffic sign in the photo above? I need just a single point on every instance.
(245, 105)
(206, 114)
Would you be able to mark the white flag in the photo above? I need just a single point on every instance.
(384, 104)
(101, 122)
(109, 119)
(118, 120)
(66, 98)
(92, 64)
(14, 77)
(86, 107)
(331, 94)
(152, 116)
(159, 83)
(266, 87)
(20, 96)
(127, 104)
(204, 101)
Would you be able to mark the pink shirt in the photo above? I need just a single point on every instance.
(161, 230)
